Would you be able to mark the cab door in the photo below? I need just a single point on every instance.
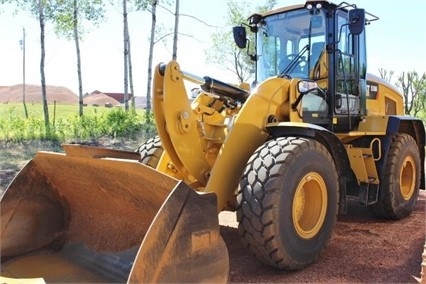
(350, 72)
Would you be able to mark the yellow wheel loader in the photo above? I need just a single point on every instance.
(314, 132)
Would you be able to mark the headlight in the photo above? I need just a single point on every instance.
(310, 4)
(305, 86)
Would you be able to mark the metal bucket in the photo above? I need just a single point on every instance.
(98, 215)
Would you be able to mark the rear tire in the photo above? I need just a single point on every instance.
(288, 202)
(400, 180)
(151, 152)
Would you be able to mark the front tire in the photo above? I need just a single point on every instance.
(400, 181)
(151, 151)
(288, 202)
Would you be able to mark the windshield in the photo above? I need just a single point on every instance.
(290, 44)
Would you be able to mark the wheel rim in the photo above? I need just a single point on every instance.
(309, 205)
(407, 178)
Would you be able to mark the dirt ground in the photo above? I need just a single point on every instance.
(362, 248)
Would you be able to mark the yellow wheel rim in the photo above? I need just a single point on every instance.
(309, 205)
(407, 178)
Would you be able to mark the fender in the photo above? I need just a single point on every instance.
(408, 125)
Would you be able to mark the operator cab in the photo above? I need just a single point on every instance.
(290, 44)
(317, 42)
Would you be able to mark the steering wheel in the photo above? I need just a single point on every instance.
(298, 68)
(301, 63)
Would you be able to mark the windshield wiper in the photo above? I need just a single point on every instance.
(309, 44)
(293, 63)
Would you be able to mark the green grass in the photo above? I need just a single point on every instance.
(21, 138)
(16, 110)
(65, 124)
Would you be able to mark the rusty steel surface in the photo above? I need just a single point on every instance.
(85, 214)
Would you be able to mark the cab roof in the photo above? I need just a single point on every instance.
(323, 2)
(282, 9)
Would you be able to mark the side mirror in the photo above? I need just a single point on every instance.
(306, 86)
(356, 21)
(240, 36)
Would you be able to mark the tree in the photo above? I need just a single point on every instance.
(42, 73)
(132, 90)
(150, 59)
(37, 9)
(223, 51)
(157, 35)
(413, 89)
(151, 6)
(139, 5)
(67, 17)
(176, 31)
(128, 68)
(386, 75)
(23, 73)
(126, 55)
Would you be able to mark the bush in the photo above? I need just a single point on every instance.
(114, 123)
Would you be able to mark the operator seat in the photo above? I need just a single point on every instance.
(316, 49)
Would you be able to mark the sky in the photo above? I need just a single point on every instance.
(397, 41)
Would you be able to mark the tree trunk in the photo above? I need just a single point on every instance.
(23, 73)
(77, 47)
(42, 75)
(150, 56)
(132, 90)
(126, 45)
(405, 84)
(175, 35)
